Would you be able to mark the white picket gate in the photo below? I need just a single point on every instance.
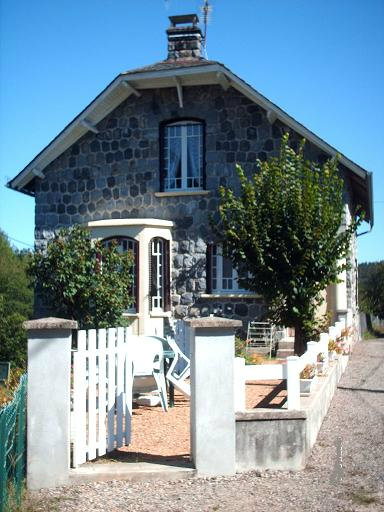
(101, 393)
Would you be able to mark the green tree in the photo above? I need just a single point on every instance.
(284, 229)
(371, 289)
(82, 279)
(16, 303)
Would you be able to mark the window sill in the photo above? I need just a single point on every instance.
(160, 314)
(130, 315)
(176, 193)
(229, 295)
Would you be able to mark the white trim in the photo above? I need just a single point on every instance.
(179, 90)
(89, 126)
(38, 173)
(130, 89)
(271, 116)
(129, 222)
(170, 193)
(223, 81)
(159, 313)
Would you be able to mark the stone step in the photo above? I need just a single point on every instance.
(131, 471)
(286, 345)
(282, 354)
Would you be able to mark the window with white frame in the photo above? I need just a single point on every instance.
(159, 275)
(183, 158)
(125, 244)
(224, 277)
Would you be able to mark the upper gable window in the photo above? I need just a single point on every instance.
(183, 156)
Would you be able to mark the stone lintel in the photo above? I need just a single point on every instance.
(50, 323)
(213, 322)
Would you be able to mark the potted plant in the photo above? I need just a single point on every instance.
(332, 350)
(321, 364)
(307, 378)
(345, 341)
(340, 345)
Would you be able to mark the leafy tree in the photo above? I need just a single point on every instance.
(371, 289)
(16, 302)
(83, 280)
(283, 228)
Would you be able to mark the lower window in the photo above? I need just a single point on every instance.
(222, 275)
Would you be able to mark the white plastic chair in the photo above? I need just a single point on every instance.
(148, 367)
(179, 379)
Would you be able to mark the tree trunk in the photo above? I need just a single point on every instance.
(369, 322)
(300, 344)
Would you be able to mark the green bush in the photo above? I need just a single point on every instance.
(83, 280)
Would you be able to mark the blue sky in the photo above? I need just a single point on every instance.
(322, 62)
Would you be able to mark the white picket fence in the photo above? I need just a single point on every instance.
(289, 371)
(101, 393)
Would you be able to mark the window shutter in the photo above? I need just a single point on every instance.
(203, 170)
(167, 276)
(150, 271)
(209, 268)
(161, 157)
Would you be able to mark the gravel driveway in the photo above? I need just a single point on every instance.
(344, 473)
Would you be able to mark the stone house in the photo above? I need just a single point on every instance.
(142, 164)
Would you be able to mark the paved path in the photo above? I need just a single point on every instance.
(345, 471)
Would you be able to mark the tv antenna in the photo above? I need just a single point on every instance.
(206, 10)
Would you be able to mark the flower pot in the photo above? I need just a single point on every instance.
(332, 356)
(306, 386)
(321, 368)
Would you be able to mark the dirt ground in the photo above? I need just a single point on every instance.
(164, 436)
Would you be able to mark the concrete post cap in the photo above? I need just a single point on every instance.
(50, 323)
(213, 322)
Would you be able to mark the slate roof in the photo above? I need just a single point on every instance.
(172, 64)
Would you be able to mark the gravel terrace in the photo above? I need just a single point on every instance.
(344, 473)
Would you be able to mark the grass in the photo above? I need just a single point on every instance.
(31, 503)
(377, 332)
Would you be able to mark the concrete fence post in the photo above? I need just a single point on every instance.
(213, 428)
(332, 331)
(340, 325)
(313, 349)
(293, 383)
(239, 383)
(48, 402)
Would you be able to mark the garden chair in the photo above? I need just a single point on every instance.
(179, 379)
(148, 367)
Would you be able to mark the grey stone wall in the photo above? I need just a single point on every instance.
(115, 173)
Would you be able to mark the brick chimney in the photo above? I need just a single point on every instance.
(184, 37)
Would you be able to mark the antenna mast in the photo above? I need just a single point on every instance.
(206, 9)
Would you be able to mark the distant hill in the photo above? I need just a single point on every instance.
(366, 269)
